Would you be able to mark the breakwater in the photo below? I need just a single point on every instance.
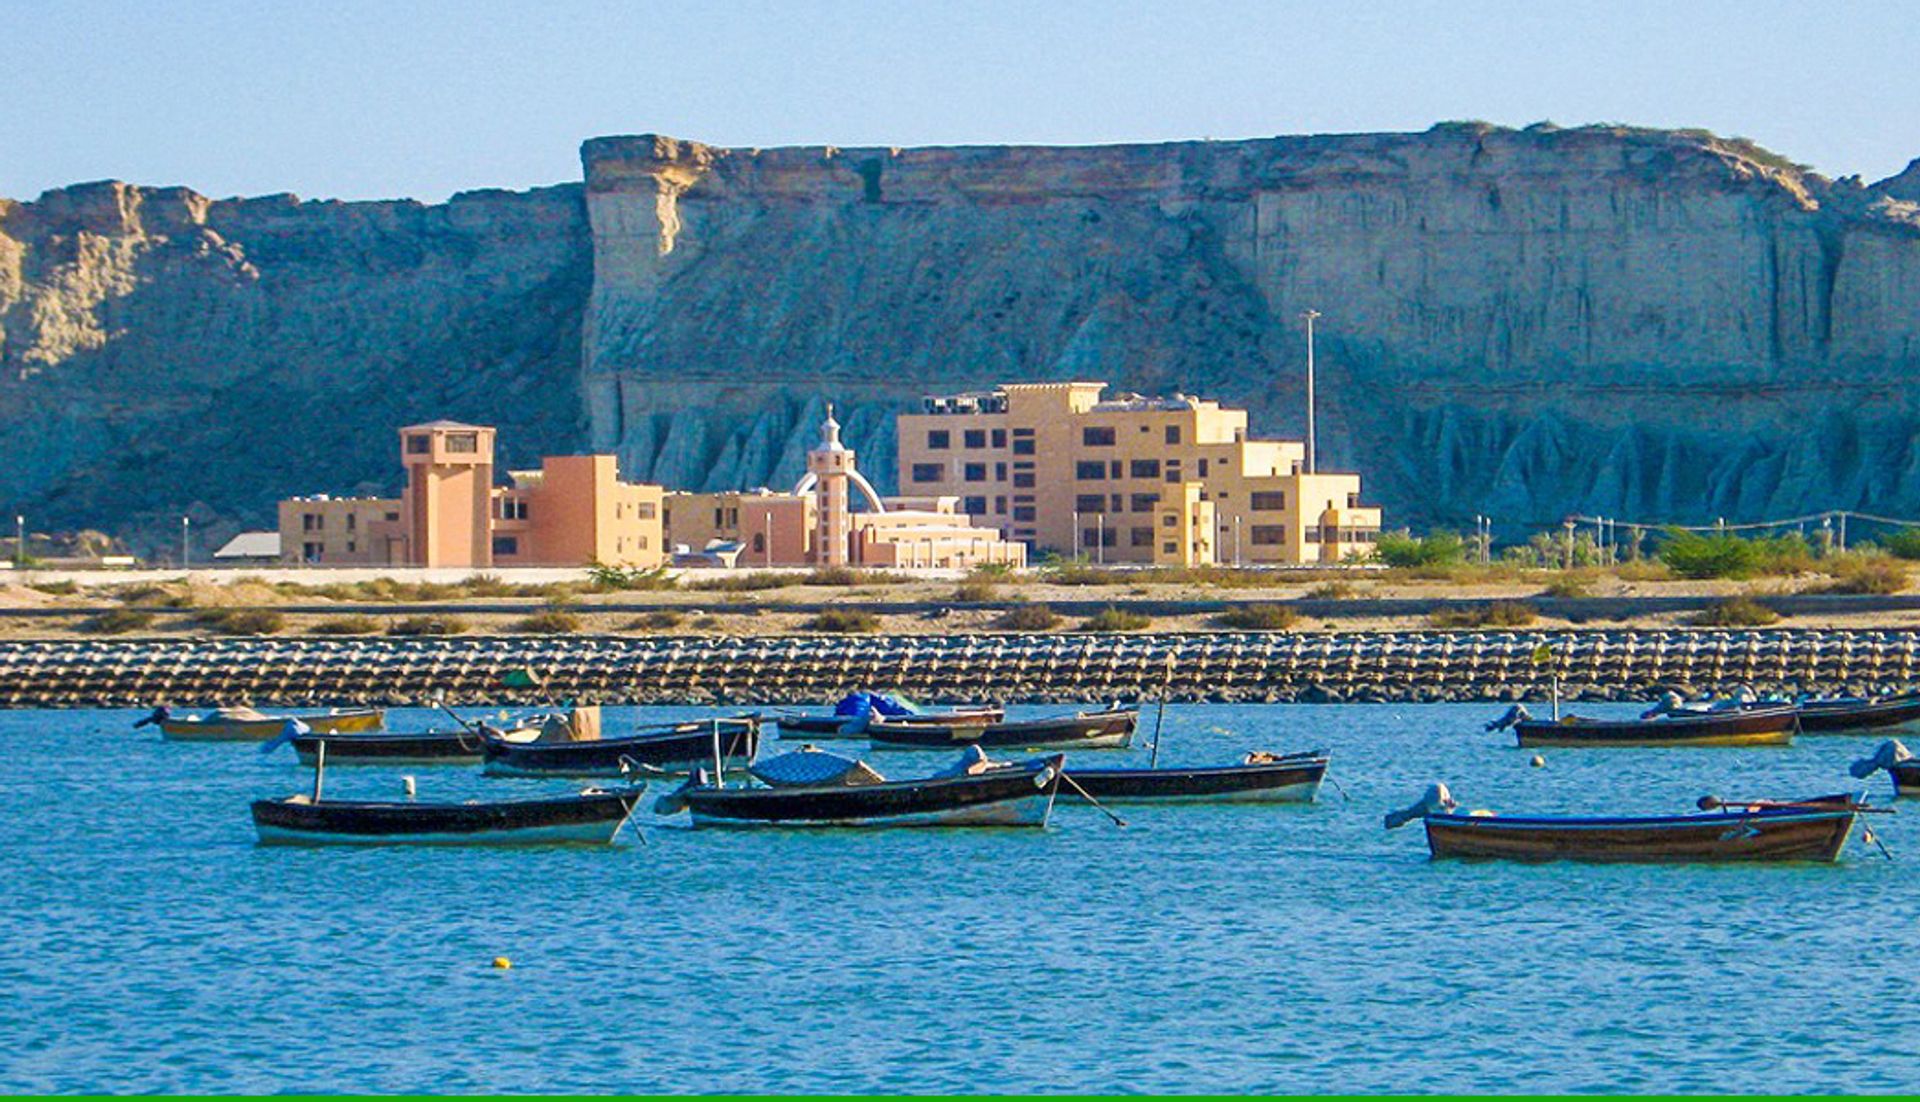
(1239, 667)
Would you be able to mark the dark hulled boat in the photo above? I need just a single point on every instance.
(821, 728)
(591, 817)
(669, 748)
(1813, 829)
(1103, 730)
(1772, 725)
(1293, 779)
(1838, 716)
(1019, 795)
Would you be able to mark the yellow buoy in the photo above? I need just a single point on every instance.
(502, 963)
(1537, 761)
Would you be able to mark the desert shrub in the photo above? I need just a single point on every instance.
(1257, 618)
(844, 621)
(346, 625)
(657, 620)
(1725, 555)
(1082, 572)
(1332, 591)
(751, 581)
(1029, 618)
(57, 589)
(1735, 612)
(1499, 614)
(437, 623)
(242, 621)
(1857, 573)
(1116, 619)
(975, 591)
(1643, 570)
(609, 579)
(117, 621)
(1570, 583)
(550, 621)
(1401, 549)
(487, 585)
(995, 571)
(148, 595)
(1904, 544)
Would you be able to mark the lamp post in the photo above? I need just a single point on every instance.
(1310, 315)
(20, 540)
(186, 528)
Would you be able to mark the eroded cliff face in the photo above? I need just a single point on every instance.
(1652, 325)
(165, 354)
(1644, 324)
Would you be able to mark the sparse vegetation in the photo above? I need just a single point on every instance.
(117, 621)
(1332, 591)
(1854, 572)
(1028, 618)
(976, 590)
(551, 621)
(844, 621)
(611, 579)
(1257, 618)
(1735, 612)
(346, 625)
(242, 621)
(1111, 618)
(57, 589)
(438, 623)
(1435, 549)
(657, 620)
(1571, 583)
(1498, 614)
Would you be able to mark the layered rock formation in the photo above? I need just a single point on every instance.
(1653, 325)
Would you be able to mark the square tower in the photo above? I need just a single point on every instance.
(449, 494)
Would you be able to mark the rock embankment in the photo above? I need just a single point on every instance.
(1272, 667)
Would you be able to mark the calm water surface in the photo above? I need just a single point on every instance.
(149, 945)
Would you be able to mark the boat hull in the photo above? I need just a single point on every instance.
(1906, 777)
(824, 728)
(681, 749)
(1002, 798)
(260, 730)
(1735, 836)
(589, 818)
(1295, 781)
(1881, 715)
(427, 748)
(1750, 727)
(1087, 731)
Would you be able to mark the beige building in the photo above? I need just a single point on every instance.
(816, 524)
(573, 511)
(1130, 479)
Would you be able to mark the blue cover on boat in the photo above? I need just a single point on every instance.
(860, 704)
(809, 767)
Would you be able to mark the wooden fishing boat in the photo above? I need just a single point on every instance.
(1759, 726)
(820, 728)
(1814, 829)
(247, 725)
(667, 748)
(1899, 763)
(1841, 716)
(407, 748)
(593, 817)
(1294, 779)
(1906, 777)
(1103, 730)
(1019, 795)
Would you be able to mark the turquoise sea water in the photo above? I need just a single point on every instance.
(146, 943)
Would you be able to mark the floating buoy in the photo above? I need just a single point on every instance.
(1537, 761)
(502, 963)
(407, 784)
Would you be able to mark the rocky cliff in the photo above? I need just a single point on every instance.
(1647, 324)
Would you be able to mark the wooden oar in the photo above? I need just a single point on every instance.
(1715, 803)
(1117, 820)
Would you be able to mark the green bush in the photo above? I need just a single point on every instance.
(57, 589)
(611, 578)
(438, 623)
(844, 621)
(1029, 618)
(1736, 612)
(1116, 619)
(1257, 618)
(1725, 555)
(117, 621)
(1499, 614)
(242, 621)
(1904, 544)
(1440, 548)
(552, 621)
(975, 591)
(346, 625)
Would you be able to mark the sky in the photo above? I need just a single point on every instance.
(352, 99)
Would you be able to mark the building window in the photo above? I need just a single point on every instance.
(1144, 468)
(1090, 470)
(1023, 445)
(1119, 503)
(351, 547)
(1173, 434)
(1091, 503)
(974, 506)
(1114, 469)
(1203, 466)
(928, 472)
(1142, 537)
(1145, 503)
(719, 517)
(759, 543)
(1170, 520)
(465, 443)
(1353, 501)
(419, 445)
(999, 438)
(645, 510)
(1023, 512)
(393, 516)
(999, 472)
(1099, 537)
(733, 516)
(939, 439)
(513, 508)
(1095, 436)
(312, 551)
(1266, 535)
(506, 545)
(1269, 501)
(1000, 505)
(1170, 547)
(312, 522)
(974, 438)
(975, 472)
(1023, 480)
(352, 518)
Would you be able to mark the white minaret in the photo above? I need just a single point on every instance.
(831, 465)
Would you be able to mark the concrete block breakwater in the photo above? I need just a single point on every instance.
(1253, 667)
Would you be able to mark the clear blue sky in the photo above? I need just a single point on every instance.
(355, 99)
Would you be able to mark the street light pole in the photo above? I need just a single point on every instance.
(20, 540)
(186, 527)
(1311, 449)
